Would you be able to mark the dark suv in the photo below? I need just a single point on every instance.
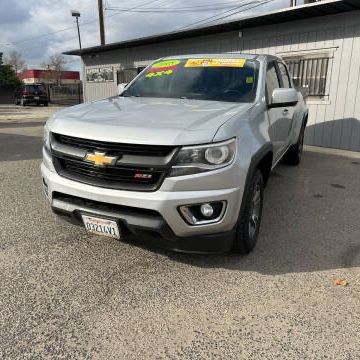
(34, 93)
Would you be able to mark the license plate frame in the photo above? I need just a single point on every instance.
(36, 97)
(101, 226)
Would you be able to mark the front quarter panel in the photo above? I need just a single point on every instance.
(252, 132)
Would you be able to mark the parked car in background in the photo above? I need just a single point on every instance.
(31, 94)
(182, 155)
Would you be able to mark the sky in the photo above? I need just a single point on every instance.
(38, 29)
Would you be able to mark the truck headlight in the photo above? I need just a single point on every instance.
(46, 138)
(197, 159)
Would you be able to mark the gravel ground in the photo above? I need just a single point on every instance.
(67, 295)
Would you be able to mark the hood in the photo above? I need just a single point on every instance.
(146, 120)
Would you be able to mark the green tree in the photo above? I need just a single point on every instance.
(8, 76)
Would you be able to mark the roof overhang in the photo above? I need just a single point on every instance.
(323, 8)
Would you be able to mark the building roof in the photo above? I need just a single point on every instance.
(322, 8)
(39, 74)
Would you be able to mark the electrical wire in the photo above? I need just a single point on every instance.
(253, 7)
(216, 16)
(172, 10)
(72, 27)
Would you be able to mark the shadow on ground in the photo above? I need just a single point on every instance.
(19, 147)
(310, 222)
(21, 124)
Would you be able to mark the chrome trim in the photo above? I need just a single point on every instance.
(135, 160)
(66, 150)
(147, 160)
(192, 220)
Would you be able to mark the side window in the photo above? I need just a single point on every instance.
(284, 76)
(272, 81)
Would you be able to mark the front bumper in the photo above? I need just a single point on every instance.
(153, 213)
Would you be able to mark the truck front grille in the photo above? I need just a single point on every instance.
(114, 148)
(142, 175)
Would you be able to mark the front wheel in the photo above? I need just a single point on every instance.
(247, 230)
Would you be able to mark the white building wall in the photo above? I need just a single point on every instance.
(333, 121)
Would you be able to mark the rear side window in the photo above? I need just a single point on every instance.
(272, 80)
(284, 76)
(35, 88)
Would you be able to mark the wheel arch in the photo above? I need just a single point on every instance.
(261, 160)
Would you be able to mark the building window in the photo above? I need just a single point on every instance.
(310, 74)
(100, 74)
(124, 76)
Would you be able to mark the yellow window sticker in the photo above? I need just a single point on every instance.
(166, 63)
(239, 63)
(249, 79)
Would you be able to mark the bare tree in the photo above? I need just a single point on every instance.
(15, 60)
(56, 65)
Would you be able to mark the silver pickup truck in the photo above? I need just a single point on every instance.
(181, 157)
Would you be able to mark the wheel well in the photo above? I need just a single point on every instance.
(264, 166)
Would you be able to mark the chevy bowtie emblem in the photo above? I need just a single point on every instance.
(100, 159)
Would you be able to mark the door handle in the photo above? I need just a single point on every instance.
(285, 111)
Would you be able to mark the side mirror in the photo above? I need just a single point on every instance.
(121, 87)
(284, 97)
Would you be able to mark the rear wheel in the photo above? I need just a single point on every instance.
(247, 230)
(294, 154)
(46, 104)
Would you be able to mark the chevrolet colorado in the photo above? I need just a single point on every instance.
(181, 156)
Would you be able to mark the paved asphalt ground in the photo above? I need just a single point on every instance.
(67, 295)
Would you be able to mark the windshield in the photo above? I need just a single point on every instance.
(218, 79)
(34, 89)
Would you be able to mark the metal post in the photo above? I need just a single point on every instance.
(77, 23)
(101, 22)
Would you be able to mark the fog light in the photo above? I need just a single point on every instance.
(207, 210)
(201, 214)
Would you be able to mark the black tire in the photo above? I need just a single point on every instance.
(37, 104)
(294, 154)
(247, 229)
(46, 104)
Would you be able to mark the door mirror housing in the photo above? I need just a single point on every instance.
(284, 97)
(121, 87)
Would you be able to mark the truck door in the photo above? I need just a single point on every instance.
(275, 115)
(288, 111)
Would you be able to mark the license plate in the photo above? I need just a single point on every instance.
(99, 226)
(36, 97)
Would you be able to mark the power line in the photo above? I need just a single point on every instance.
(244, 3)
(205, 21)
(172, 10)
(237, 12)
(70, 28)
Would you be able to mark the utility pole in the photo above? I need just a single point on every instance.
(76, 14)
(101, 22)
